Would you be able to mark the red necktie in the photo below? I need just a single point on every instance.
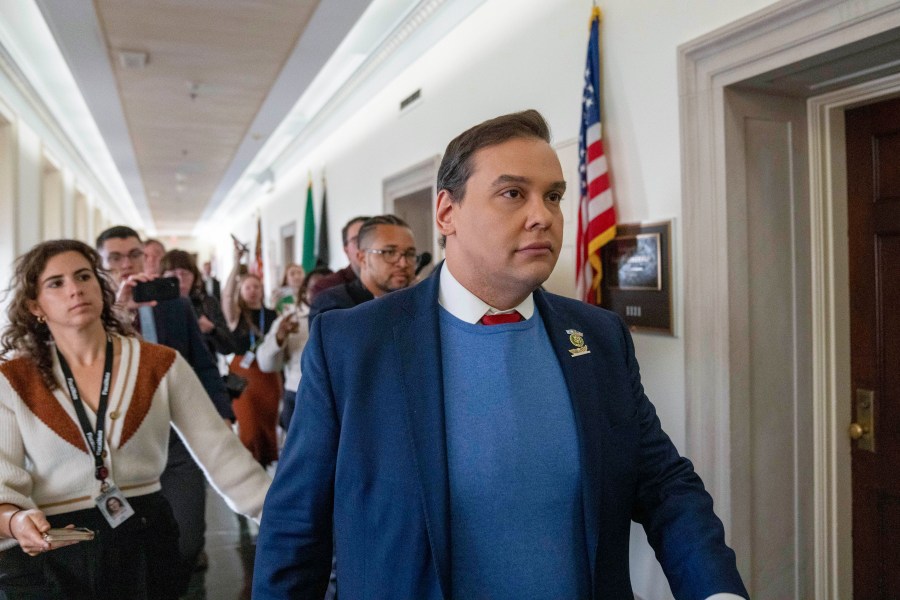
(501, 318)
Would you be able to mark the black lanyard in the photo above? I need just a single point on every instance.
(262, 328)
(95, 439)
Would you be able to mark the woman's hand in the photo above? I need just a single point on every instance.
(289, 324)
(28, 527)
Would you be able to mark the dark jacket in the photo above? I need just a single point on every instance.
(365, 470)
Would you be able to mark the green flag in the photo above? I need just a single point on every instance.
(309, 232)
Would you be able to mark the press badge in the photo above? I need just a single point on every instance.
(114, 506)
(247, 360)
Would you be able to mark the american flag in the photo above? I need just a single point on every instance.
(596, 213)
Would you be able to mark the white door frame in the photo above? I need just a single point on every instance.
(782, 34)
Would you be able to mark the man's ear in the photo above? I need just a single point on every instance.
(444, 213)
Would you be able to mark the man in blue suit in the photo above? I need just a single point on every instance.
(476, 437)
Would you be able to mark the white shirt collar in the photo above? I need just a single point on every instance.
(466, 306)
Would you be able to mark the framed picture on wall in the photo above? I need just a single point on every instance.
(637, 276)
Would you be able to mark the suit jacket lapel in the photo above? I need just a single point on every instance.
(418, 340)
(585, 383)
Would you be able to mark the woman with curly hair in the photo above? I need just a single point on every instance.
(85, 414)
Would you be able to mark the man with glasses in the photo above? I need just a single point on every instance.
(170, 323)
(387, 263)
(350, 237)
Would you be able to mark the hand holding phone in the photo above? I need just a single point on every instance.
(159, 289)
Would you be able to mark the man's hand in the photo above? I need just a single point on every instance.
(125, 293)
(206, 326)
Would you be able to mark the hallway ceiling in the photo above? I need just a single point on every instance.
(186, 92)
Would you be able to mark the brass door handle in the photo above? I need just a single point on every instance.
(863, 429)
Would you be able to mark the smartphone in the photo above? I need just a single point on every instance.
(159, 289)
(69, 534)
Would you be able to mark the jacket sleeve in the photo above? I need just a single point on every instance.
(203, 363)
(294, 548)
(675, 509)
(220, 337)
(269, 355)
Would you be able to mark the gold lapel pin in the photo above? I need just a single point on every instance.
(577, 340)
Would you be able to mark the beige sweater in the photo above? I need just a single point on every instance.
(45, 460)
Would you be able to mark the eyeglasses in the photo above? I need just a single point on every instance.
(392, 255)
(115, 258)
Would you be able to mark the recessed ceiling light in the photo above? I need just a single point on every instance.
(132, 59)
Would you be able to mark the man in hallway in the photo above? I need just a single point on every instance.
(386, 258)
(210, 283)
(171, 323)
(154, 250)
(349, 235)
(475, 436)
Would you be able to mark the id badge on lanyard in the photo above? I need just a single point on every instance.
(250, 355)
(111, 502)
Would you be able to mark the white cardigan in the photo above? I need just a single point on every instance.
(45, 460)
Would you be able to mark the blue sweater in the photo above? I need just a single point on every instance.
(517, 526)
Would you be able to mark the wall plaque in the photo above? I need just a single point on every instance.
(637, 276)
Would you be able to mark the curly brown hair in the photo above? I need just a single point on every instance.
(24, 335)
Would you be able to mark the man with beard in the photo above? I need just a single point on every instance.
(387, 262)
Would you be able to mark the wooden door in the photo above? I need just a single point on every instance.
(873, 185)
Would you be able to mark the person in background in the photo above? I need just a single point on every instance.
(474, 436)
(349, 235)
(180, 264)
(60, 467)
(288, 294)
(210, 283)
(281, 352)
(249, 321)
(173, 324)
(387, 262)
(153, 253)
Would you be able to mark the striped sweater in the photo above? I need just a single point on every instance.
(45, 460)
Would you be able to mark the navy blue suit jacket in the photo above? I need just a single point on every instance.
(176, 327)
(366, 459)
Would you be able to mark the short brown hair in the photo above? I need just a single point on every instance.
(24, 335)
(456, 166)
(181, 259)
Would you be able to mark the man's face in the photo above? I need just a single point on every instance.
(122, 257)
(504, 236)
(153, 254)
(351, 248)
(388, 243)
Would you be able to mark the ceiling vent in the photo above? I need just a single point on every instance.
(410, 100)
(132, 59)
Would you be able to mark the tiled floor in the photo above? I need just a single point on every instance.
(230, 545)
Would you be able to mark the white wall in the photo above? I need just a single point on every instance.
(507, 56)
